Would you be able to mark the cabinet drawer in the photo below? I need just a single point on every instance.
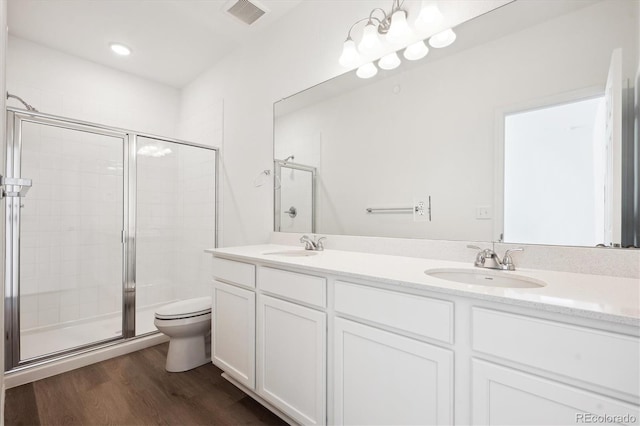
(605, 359)
(419, 315)
(234, 272)
(294, 286)
(505, 396)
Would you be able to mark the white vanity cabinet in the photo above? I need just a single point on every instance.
(559, 373)
(388, 379)
(331, 346)
(291, 344)
(233, 320)
(291, 359)
(385, 377)
(510, 397)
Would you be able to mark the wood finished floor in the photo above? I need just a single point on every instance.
(135, 389)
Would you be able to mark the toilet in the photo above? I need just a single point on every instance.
(188, 325)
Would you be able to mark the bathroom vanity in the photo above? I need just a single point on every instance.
(337, 337)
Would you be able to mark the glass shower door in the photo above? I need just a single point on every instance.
(295, 197)
(175, 222)
(67, 271)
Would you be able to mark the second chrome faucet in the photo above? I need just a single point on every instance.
(487, 258)
(312, 244)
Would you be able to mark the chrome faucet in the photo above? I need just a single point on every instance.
(487, 258)
(312, 244)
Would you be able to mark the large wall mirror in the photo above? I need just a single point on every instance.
(522, 131)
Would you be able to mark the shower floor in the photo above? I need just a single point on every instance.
(42, 341)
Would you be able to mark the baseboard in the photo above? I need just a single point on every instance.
(52, 368)
(262, 402)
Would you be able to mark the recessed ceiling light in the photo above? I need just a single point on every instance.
(120, 49)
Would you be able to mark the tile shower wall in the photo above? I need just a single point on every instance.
(196, 177)
(71, 254)
(176, 221)
(157, 222)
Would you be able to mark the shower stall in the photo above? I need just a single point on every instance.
(294, 197)
(102, 226)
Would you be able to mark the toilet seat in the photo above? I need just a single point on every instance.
(185, 309)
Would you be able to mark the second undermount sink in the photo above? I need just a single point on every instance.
(292, 253)
(487, 278)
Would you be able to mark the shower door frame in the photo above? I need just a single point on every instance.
(14, 119)
(277, 191)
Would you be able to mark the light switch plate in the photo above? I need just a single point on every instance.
(483, 212)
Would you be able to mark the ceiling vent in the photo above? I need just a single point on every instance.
(245, 11)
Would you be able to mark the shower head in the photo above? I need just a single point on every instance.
(26, 105)
(291, 157)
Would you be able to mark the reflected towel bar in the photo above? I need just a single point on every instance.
(420, 209)
(391, 209)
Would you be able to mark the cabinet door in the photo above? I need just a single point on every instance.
(291, 359)
(504, 396)
(233, 332)
(383, 378)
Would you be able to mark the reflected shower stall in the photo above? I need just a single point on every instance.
(102, 226)
(295, 197)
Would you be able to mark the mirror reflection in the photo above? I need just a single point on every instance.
(522, 131)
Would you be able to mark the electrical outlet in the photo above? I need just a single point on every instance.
(421, 209)
(483, 212)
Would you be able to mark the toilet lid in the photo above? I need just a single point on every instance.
(185, 308)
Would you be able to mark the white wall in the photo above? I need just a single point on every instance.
(61, 84)
(301, 50)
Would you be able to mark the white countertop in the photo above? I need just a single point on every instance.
(607, 298)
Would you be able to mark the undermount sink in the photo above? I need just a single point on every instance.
(292, 253)
(487, 278)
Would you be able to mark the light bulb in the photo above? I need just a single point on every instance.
(416, 51)
(399, 29)
(350, 56)
(120, 49)
(367, 70)
(389, 62)
(370, 41)
(429, 15)
(443, 39)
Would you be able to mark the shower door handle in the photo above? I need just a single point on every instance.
(23, 184)
(292, 212)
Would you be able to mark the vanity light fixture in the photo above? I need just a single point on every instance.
(389, 62)
(120, 49)
(367, 70)
(443, 39)
(387, 33)
(416, 51)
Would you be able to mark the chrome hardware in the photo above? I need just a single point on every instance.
(390, 210)
(507, 261)
(421, 208)
(312, 244)
(487, 258)
(292, 212)
(23, 187)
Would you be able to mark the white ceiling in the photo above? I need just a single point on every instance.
(172, 41)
